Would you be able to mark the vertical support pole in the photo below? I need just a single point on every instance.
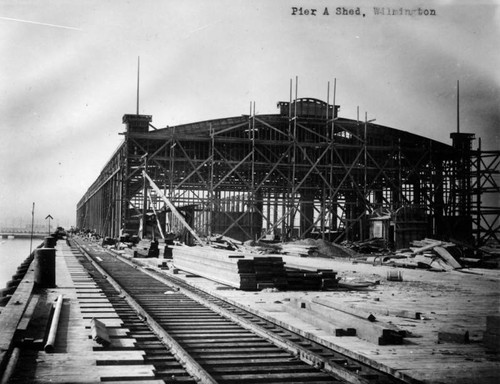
(294, 153)
(212, 194)
(268, 211)
(333, 207)
(121, 190)
(400, 186)
(365, 180)
(324, 209)
(32, 227)
(252, 176)
(365, 155)
(286, 198)
(145, 198)
(478, 191)
(439, 192)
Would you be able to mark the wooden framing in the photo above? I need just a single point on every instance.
(302, 172)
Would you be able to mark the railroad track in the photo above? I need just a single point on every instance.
(192, 336)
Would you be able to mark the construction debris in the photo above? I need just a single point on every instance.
(428, 254)
(374, 245)
(269, 265)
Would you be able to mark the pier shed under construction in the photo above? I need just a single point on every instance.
(302, 172)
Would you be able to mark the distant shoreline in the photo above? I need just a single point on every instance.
(22, 235)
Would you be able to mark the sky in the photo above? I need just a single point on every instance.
(68, 74)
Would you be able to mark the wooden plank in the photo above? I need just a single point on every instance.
(126, 357)
(98, 310)
(107, 322)
(430, 244)
(96, 299)
(108, 372)
(385, 310)
(100, 316)
(12, 313)
(28, 313)
(95, 305)
(172, 208)
(447, 257)
(137, 381)
(322, 314)
(118, 331)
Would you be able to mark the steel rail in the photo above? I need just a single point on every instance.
(191, 365)
(339, 367)
(304, 354)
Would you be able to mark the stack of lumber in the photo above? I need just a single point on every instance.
(299, 250)
(251, 272)
(243, 271)
(306, 280)
(303, 280)
(270, 272)
(229, 268)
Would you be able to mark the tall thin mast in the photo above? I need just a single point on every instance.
(32, 226)
(458, 106)
(138, 76)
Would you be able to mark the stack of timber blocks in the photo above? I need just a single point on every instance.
(321, 279)
(270, 272)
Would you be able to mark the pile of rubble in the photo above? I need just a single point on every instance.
(374, 245)
(434, 255)
(431, 254)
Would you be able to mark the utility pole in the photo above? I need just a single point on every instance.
(32, 226)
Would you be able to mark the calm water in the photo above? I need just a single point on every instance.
(12, 253)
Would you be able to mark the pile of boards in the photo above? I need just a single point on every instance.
(428, 254)
(250, 272)
(243, 271)
(304, 280)
(372, 245)
(299, 250)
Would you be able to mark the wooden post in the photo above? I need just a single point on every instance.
(50, 242)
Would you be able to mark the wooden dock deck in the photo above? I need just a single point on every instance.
(450, 305)
(76, 358)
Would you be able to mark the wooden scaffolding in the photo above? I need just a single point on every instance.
(303, 172)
